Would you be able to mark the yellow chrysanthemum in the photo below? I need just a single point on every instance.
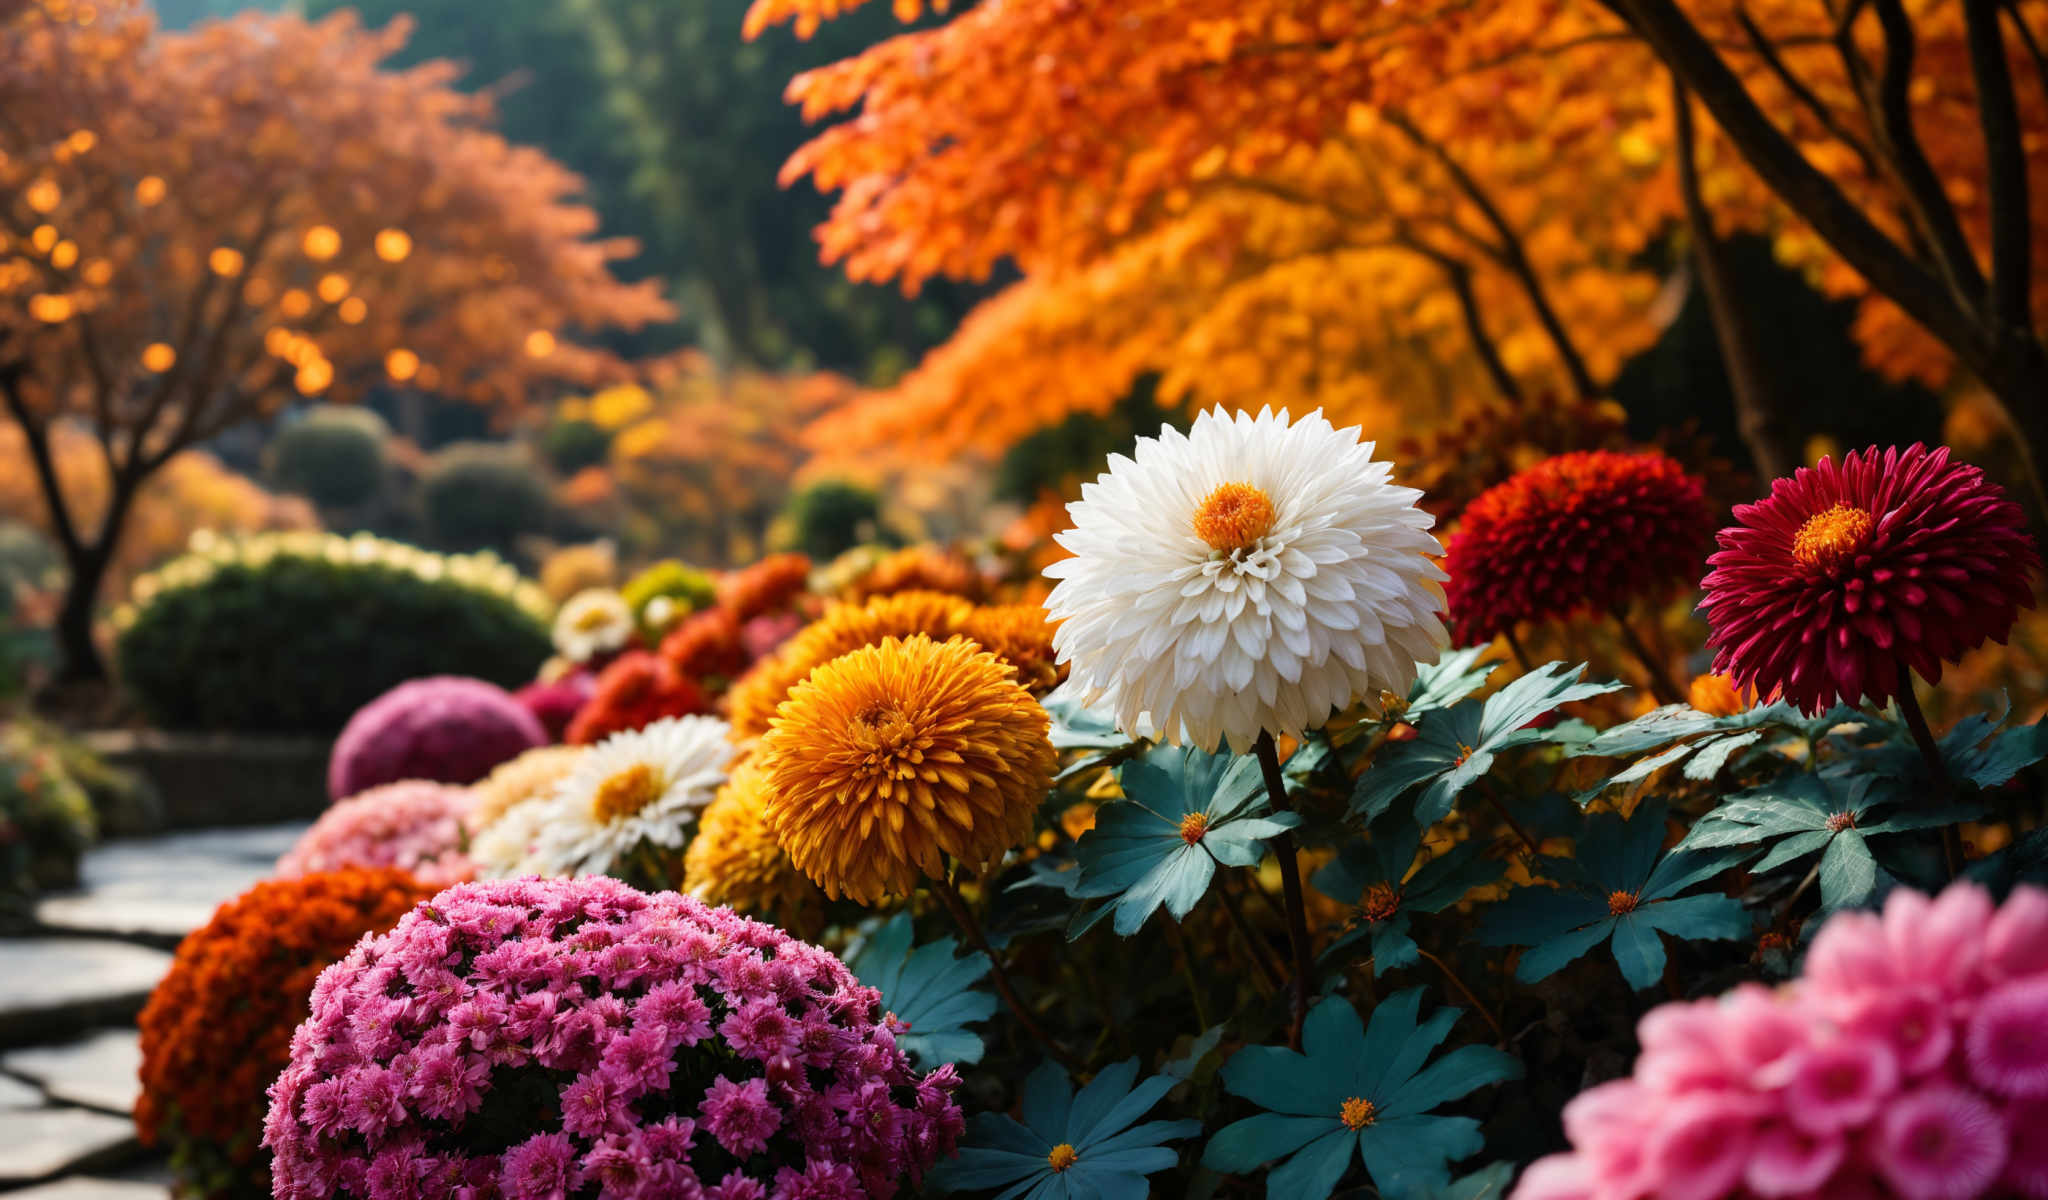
(1021, 635)
(735, 859)
(843, 628)
(891, 757)
(533, 774)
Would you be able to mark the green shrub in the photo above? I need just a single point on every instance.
(46, 819)
(27, 557)
(571, 445)
(831, 517)
(334, 456)
(689, 588)
(483, 495)
(294, 632)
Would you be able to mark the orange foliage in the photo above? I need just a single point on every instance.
(709, 453)
(1344, 204)
(193, 491)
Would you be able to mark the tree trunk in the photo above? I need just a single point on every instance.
(82, 661)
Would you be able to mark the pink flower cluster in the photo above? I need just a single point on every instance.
(574, 1037)
(415, 826)
(1909, 1060)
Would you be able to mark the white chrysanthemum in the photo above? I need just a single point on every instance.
(505, 847)
(646, 785)
(593, 622)
(1250, 575)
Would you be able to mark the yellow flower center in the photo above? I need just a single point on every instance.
(626, 793)
(1193, 826)
(591, 619)
(1234, 516)
(1621, 904)
(1358, 1112)
(1380, 902)
(1832, 538)
(1062, 1157)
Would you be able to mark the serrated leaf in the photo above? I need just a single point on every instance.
(1848, 872)
(1452, 677)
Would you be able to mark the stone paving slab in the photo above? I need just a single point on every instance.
(97, 1072)
(39, 1143)
(57, 987)
(82, 1187)
(159, 889)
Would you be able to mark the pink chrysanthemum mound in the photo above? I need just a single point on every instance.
(414, 825)
(544, 1038)
(1844, 576)
(445, 728)
(1586, 532)
(555, 703)
(1911, 1061)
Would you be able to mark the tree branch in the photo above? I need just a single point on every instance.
(2012, 253)
(1513, 257)
(37, 436)
(1768, 52)
(1802, 186)
(1458, 274)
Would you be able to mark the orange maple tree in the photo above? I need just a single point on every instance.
(1302, 197)
(199, 227)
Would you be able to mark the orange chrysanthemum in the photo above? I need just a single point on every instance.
(1021, 635)
(765, 587)
(921, 568)
(1717, 695)
(532, 774)
(735, 859)
(219, 1027)
(891, 757)
(843, 628)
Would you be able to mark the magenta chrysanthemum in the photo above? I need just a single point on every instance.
(1847, 575)
(1827, 1087)
(414, 826)
(1588, 532)
(566, 1037)
(447, 728)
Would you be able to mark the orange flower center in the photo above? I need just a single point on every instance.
(1380, 902)
(1358, 1112)
(1837, 822)
(626, 793)
(1622, 904)
(1062, 1157)
(1193, 826)
(1830, 539)
(590, 620)
(1234, 516)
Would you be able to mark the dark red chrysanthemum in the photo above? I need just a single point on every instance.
(1578, 533)
(1844, 574)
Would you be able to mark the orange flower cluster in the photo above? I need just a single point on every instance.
(843, 629)
(919, 568)
(218, 1028)
(768, 586)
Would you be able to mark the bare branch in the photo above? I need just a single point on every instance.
(2012, 252)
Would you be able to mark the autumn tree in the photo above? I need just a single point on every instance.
(201, 227)
(1334, 201)
(705, 456)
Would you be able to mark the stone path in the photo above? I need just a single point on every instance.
(68, 1000)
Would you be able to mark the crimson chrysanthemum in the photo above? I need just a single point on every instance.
(1849, 575)
(1580, 533)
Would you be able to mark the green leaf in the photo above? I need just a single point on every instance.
(930, 989)
(1247, 1145)
(1076, 727)
(1451, 678)
(1457, 745)
(1848, 873)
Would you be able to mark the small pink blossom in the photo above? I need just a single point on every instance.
(1940, 1143)
(2007, 1041)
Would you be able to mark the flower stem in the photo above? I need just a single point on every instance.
(1937, 771)
(1260, 955)
(1515, 648)
(1661, 685)
(1471, 997)
(1290, 887)
(964, 917)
